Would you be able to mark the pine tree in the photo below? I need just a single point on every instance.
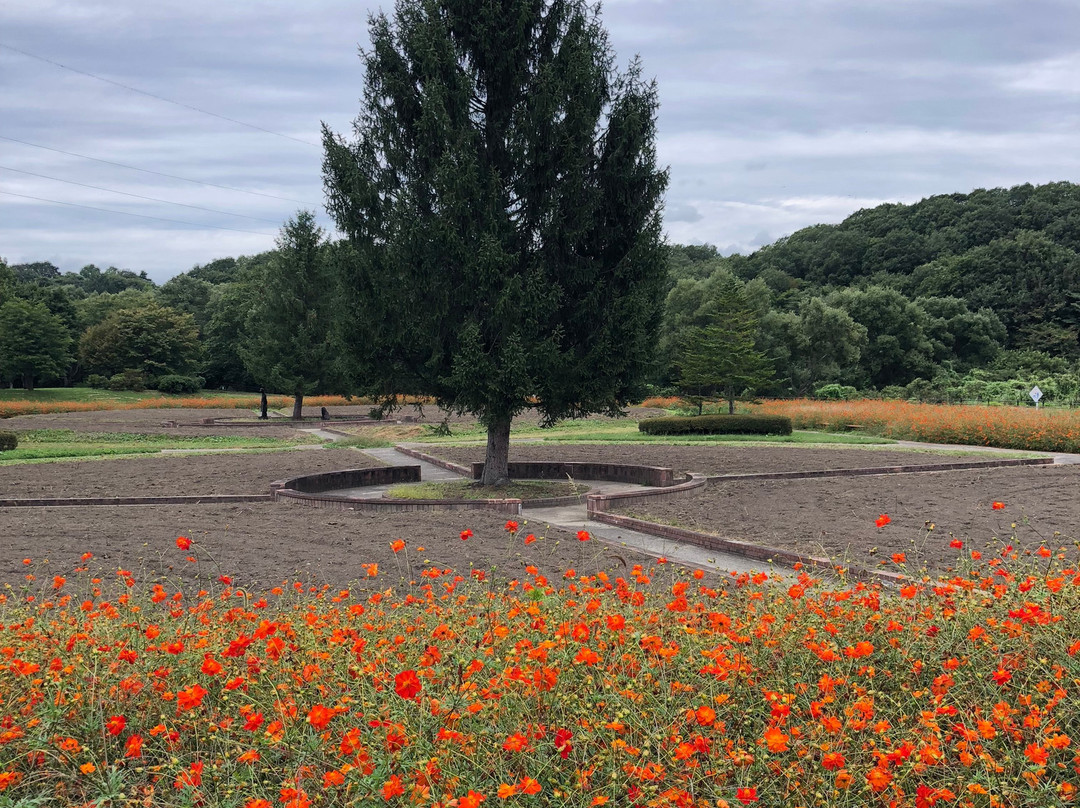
(286, 345)
(719, 354)
(502, 207)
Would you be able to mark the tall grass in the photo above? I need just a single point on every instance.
(1004, 427)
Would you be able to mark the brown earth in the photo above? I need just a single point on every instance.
(152, 422)
(172, 475)
(261, 544)
(713, 459)
(835, 517)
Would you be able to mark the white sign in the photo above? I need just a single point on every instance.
(1035, 394)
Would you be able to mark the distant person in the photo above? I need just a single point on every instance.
(325, 414)
(262, 404)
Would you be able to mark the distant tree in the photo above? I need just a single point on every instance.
(187, 294)
(286, 346)
(91, 279)
(819, 344)
(227, 312)
(34, 343)
(7, 282)
(93, 309)
(503, 202)
(38, 272)
(223, 270)
(152, 340)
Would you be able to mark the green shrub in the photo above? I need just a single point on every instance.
(179, 384)
(717, 425)
(128, 380)
(836, 392)
(97, 381)
(8, 441)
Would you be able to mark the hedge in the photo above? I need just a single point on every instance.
(717, 425)
(8, 441)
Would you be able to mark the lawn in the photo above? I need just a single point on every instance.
(467, 489)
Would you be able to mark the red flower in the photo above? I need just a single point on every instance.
(407, 684)
(183, 543)
(466, 534)
(397, 545)
(583, 535)
(133, 747)
(191, 697)
(882, 520)
(392, 788)
(511, 526)
(997, 506)
(116, 724)
(319, 716)
(562, 742)
(746, 795)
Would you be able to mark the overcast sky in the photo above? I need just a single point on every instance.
(775, 114)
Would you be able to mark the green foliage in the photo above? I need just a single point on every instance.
(836, 392)
(34, 344)
(129, 379)
(719, 355)
(717, 425)
(8, 441)
(286, 346)
(153, 340)
(502, 209)
(179, 384)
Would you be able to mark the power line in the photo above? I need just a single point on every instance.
(152, 95)
(157, 173)
(138, 215)
(139, 196)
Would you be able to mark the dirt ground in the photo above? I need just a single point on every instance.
(259, 545)
(152, 422)
(173, 475)
(835, 517)
(714, 459)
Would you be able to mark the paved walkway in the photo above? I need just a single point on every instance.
(575, 518)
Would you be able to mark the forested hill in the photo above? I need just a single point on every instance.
(959, 296)
(1015, 251)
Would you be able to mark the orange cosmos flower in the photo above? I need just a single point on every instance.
(583, 535)
(506, 791)
(776, 740)
(529, 786)
(511, 526)
(879, 778)
(88, 768)
(258, 804)
(319, 716)
(466, 534)
(190, 698)
(530, 539)
(997, 506)
(133, 747)
(392, 788)
(882, 520)
(116, 724)
(746, 795)
(407, 684)
(183, 543)
(833, 761)
(471, 800)
(397, 545)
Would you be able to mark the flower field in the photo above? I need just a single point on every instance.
(653, 689)
(1004, 427)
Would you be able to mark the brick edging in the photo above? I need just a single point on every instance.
(435, 461)
(859, 472)
(207, 499)
(739, 548)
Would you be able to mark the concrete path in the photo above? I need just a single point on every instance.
(1060, 458)
(575, 518)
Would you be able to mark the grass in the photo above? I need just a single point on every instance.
(465, 489)
(54, 444)
(626, 431)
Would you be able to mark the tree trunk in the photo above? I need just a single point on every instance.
(298, 407)
(28, 381)
(731, 401)
(496, 461)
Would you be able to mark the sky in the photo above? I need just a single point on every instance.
(775, 114)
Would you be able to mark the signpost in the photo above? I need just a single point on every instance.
(1035, 394)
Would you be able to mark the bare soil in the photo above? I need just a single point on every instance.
(835, 517)
(260, 545)
(713, 458)
(153, 422)
(173, 475)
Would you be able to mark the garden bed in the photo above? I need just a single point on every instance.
(259, 545)
(150, 422)
(711, 459)
(172, 475)
(835, 517)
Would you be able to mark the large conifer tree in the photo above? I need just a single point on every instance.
(501, 201)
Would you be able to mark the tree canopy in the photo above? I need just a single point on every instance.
(34, 343)
(502, 206)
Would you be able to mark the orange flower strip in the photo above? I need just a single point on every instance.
(660, 688)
